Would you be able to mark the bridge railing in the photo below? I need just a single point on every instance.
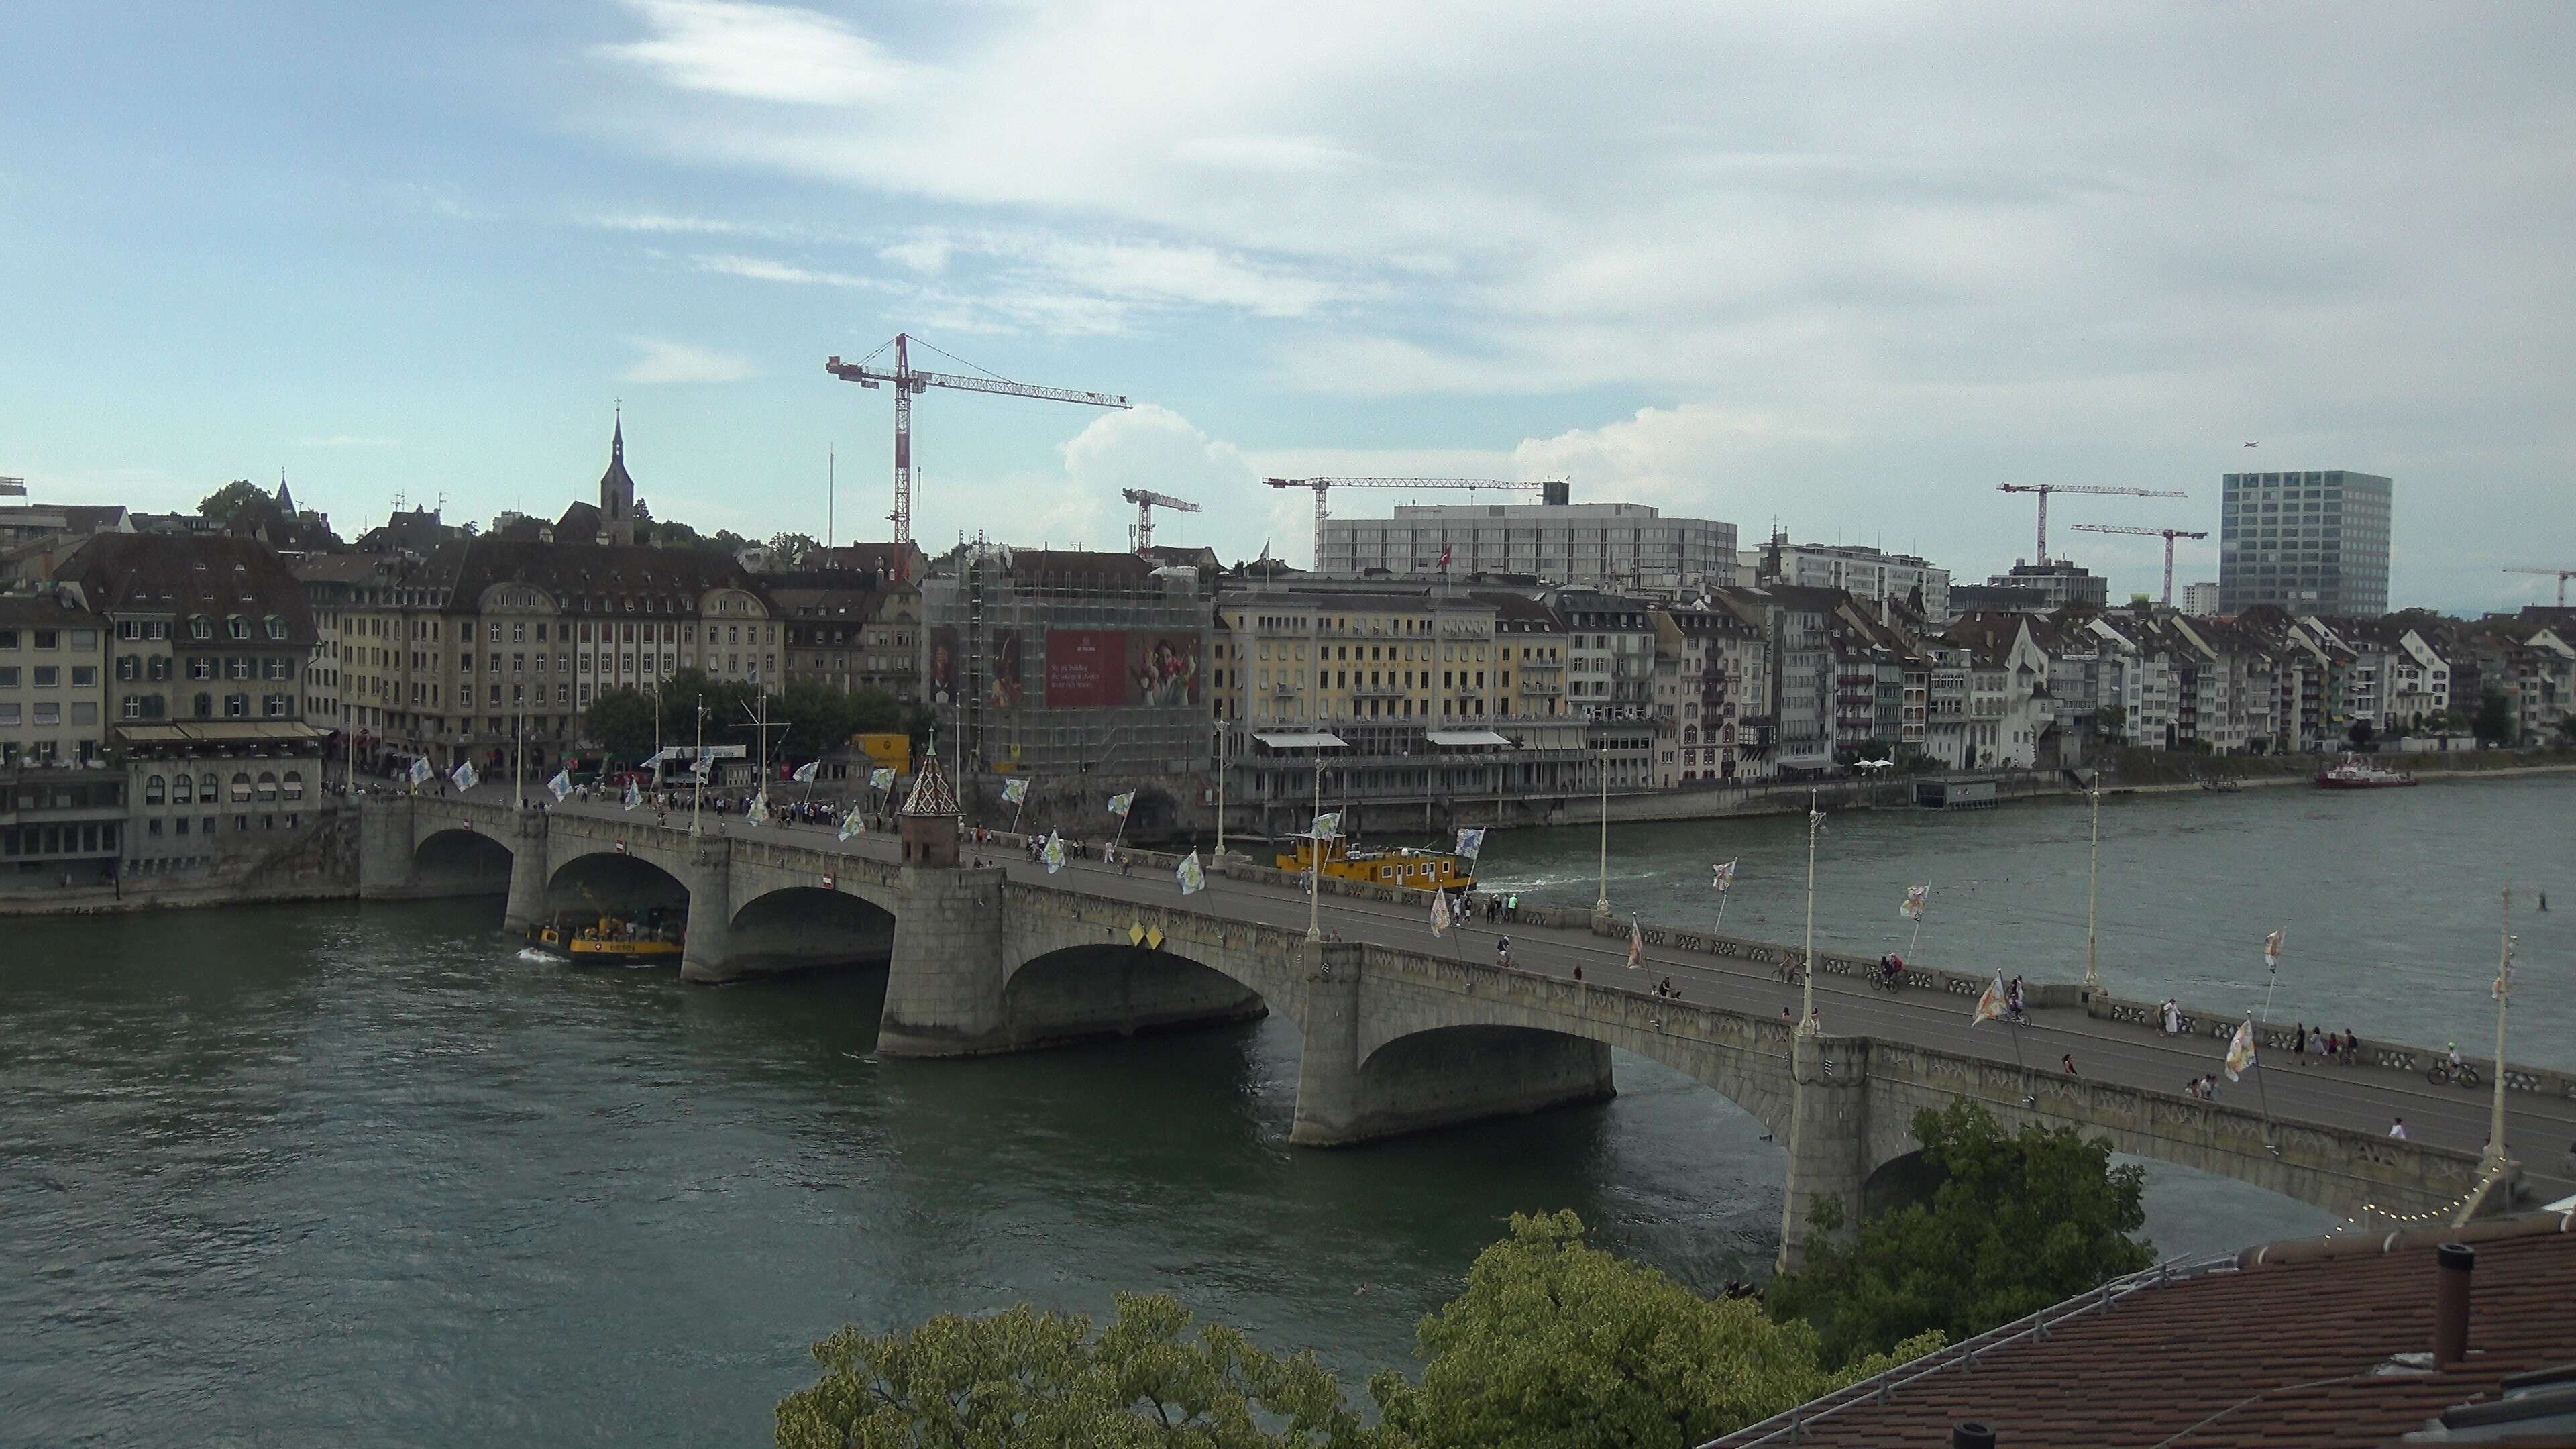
(2275, 1037)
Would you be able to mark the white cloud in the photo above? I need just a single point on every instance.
(656, 223)
(777, 53)
(767, 269)
(344, 440)
(659, 361)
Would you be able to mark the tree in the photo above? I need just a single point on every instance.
(621, 720)
(2019, 1221)
(1556, 1342)
(230, 499)
(2111, 720)
(2362, 732)
(791, 548)
(1031, 1377)
(2494, 722)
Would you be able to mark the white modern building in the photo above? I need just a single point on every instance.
(1587, 545)
(2200, 601)
(1867, 574)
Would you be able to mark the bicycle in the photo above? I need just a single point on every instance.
(1789, 973)
(2443, 1073)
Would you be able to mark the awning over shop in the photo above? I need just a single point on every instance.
(1301, 740)
(1465, 737)
(222, 732)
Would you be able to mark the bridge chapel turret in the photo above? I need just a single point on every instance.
(928, 821)
(617, 491)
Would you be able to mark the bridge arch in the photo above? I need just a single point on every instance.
(461, 862)
(1119, 988)
(800, 928)
(611, 883)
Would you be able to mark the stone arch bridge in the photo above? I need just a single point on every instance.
(1393, 1040)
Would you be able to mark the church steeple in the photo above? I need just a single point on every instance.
(285, 500)
(617, 489)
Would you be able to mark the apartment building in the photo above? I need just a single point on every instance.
(1586, 545)
(1869, 575)
(850, 632)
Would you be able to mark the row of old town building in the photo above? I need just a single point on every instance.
(174, 697)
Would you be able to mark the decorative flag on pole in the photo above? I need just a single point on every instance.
(1916, 897)
(1991, 1005)
(420, 772)
(2240, 1050)
(853, 823)
(1440, 917)
(1119, 805)
(1636, 945)
(2272, 948)
(1471, 843)
(806, 772)
(634, 795)
(1721, 877)
(1015, 790)
(881, 778)
(1328, 824)
(464, 776)
(1053, 855)
(1193, 876)
(561, 784)
(759, 811)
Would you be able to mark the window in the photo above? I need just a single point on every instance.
(128, 667)
(201, 627)
(237, 627)
(294, 784)
(8, 676)
(276, 627)
(205, 707)
(182, 792)
(241, 787)
(236, 706)
(48, 675)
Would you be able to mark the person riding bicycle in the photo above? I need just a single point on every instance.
(2453, 1048)
(1503, 951)
(1891, 969)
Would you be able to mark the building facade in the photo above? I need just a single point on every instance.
(2306, 543)
(1867, 574)
(1595, 545)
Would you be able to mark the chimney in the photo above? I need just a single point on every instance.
(1969, 1434)
(2451, 1303)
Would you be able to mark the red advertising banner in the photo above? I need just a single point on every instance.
(1085, 668)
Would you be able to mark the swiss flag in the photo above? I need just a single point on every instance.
(1444, 559)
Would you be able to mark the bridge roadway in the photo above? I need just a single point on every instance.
(2359, 1100)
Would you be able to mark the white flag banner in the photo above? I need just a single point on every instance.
(1471, 843)
(1440, 916)
(1916, 899)
(2240, 1051)
(464, 776)
(1991, 1004)
(806, 772)
(1636, 945)
(881, 778)
(1053, 854)
(759, 811)
(561, 785)
(634, 795)
(853, 823)
(1193, 876)
(1014, 791)
(420, 772)
(1328, 824)
(2272, 947)
(1721, 877)
(1119, 805)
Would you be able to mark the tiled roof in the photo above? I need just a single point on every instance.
(164, 573)
(45, 611)
(930, 793)
(2291, 1346)
(585, 577)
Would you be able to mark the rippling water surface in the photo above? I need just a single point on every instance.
(329, 1174)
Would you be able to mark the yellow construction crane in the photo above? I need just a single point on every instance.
(908, 380)
(1545, 486)
(2167, 534)
(2044, 489)
(2562, 575)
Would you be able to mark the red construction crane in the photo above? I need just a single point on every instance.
(2562, 575)
(2167, 534)
(2044, 489)
(908, 380)
(1538, 485)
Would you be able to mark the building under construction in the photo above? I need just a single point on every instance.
(1067, 666)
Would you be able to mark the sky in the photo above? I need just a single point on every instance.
(1842, 267)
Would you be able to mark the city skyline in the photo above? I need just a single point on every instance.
(1773, 277)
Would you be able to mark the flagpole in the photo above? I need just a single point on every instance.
(1807, 974)
(1315, 859)
(2495, 1157)
(1917, 938)
(1601, 905)
(519, 755)
(1223, 734)
(698, 769)
(2093, 897)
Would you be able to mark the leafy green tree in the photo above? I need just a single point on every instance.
(2019, 1221)
(1556, 1342)
(1026, 1377)
(621, 720)
(230, 499)
(2112, 720)
(2494, 722)
(792, 547)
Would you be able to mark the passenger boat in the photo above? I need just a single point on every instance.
(1419, 870)
(611, 939)
(2355, 773)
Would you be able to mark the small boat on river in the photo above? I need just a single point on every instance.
(1419, 870)
(610, 939)
(2355, 773)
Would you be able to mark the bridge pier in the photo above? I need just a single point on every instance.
(707, 954)
(1429, 1079)
(1828, 1136)
(386, 856)
(528, 873)
(944, 985)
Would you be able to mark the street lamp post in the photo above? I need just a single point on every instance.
(1807, 971)
(2093, 896)
(1315, 858)
(1601, 903)
(698, 769)
(2494, 1155)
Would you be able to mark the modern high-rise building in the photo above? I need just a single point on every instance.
(1594, 545)
(2200, 601)
(2306, 543)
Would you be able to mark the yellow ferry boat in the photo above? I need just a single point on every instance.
(610, 939)
(1419, 870)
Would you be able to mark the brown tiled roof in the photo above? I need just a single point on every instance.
(215, 576)
(2290, 1346)
(45, 611)
(585, 578)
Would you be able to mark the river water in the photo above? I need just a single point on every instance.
(325, 1174)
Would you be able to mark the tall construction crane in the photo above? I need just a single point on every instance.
(2044, 489)
(2562, 575)
(2167, 534)
(1544, 486)
(1141, 537)
(908, 380)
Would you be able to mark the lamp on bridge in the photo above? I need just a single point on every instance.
(929, 818)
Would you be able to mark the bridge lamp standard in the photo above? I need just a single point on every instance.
(698, 769)
(2494, 1157)
(2093, 894)
(1601, 903)
(1807, 970)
